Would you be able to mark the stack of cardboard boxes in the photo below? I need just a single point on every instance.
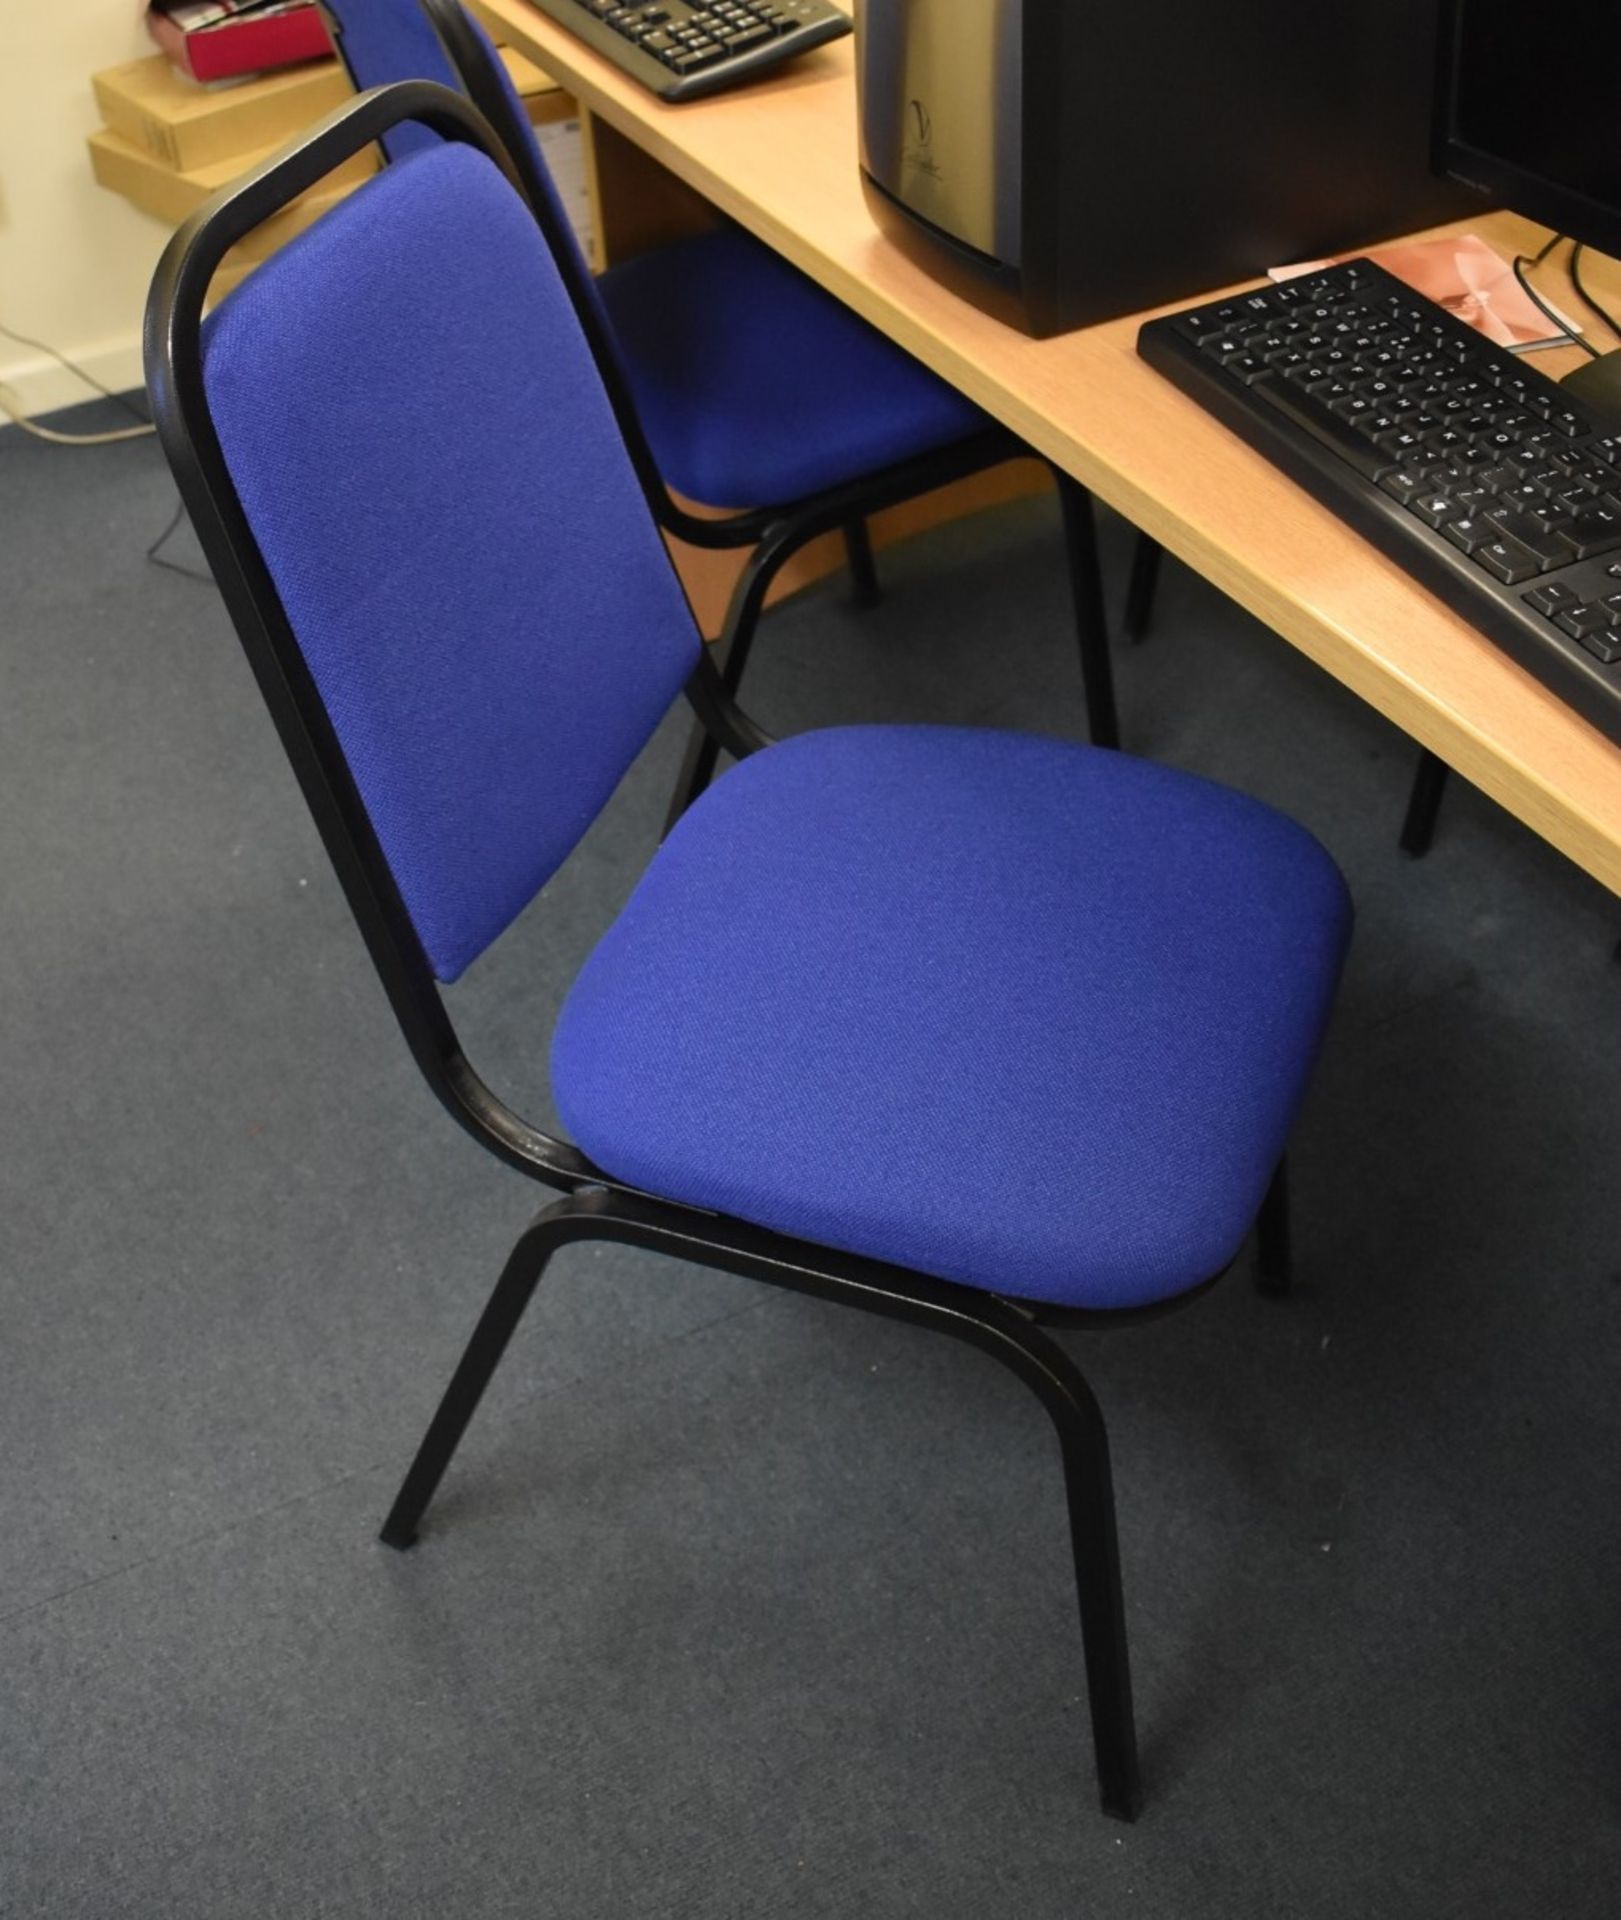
(170, 142)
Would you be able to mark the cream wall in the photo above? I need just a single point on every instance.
(74, 259)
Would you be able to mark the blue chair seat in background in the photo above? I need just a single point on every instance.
(871, 958)
(754, 387)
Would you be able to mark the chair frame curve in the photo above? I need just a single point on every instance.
(594, 1205)
(173, 358)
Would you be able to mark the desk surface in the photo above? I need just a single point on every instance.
(781, 160)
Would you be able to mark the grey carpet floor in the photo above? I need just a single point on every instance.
(736, 1604)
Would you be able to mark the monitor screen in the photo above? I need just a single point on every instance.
(1527, 110)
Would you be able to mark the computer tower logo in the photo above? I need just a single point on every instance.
(919, 150)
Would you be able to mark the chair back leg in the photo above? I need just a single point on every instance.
(734, 645)
(864, 589)
(1274, 1249)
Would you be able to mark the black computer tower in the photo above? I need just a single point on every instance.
(1063, 161)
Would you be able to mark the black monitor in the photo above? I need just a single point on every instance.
(1529, 110)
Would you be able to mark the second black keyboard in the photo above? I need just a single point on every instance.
(681, 49)
(1467, 467)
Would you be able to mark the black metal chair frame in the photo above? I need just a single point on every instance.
(594, 1206)
(778, 533)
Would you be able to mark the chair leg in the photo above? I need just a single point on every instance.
(1423, 804)
(698, 765)
(1274, 1252)
(737, 641)
(1140, 589)
(1094, 1541)
(1092, 626)
(525, 1264)
(994, 1326)
(864, 589)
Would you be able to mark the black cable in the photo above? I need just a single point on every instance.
(1564, 326)
(154, 552)
(1583, 295)
(41, 346)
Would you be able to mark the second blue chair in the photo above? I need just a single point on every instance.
(737, 382)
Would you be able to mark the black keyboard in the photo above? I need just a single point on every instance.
(680, 50)
(1467, 467)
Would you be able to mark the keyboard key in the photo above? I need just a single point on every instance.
(1596, 531)
(1552, 599)
(1524, 493)
(1356, 406)
(1404, 484)
(1508, 561)
(1582, 622)
(1435, 509)
(1471, 531)
(1549, 548)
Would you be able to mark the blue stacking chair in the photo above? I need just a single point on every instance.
(736, 380)
(966, 1028)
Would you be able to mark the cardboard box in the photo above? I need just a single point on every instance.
(186, 126)
(132, 171)
(156, 118)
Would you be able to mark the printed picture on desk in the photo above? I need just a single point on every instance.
(1468, 278)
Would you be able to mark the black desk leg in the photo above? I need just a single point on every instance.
(1423, 804)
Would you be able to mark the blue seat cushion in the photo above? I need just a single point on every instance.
(755, 387)
(1014, 1012)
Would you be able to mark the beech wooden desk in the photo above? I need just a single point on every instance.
(780, 158)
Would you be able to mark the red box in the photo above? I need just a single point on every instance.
(247, 43)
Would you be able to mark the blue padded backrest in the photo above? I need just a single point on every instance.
(382, 41)
(418, 435)
(544, 182)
